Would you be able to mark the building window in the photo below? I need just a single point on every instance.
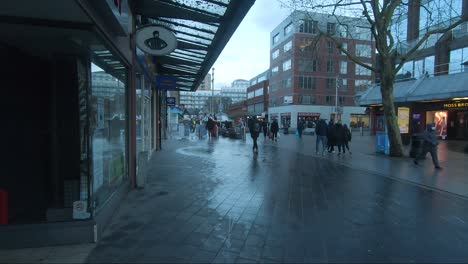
(275, 54)
(276, 38)
(258, 92)
(307, 99)
(288, 29)
(343, 67)
(251, 95)
(287, 46)
(341, 100)
(363, 50)
(287, 65)
(330, 66)
(329, 99)
(308, 26)
(343, 31)
(344, 46)
(331, 28)
(331, 83)
(307, 65)
(360, 70)
(362, 33)
(274, 71)
(330, 47)
(287, 82)
(307, 82)
(361, 85)
(343, 84)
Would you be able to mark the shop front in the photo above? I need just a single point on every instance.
(449, 117)
(285, 121)
(310, 119)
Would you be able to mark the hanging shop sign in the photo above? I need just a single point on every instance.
(403, 119)
(156, 40)
(456, 105)
(303, 114)
(170, 101)
(166, 82)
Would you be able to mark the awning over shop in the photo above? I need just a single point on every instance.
(425, 89)
(202, 29)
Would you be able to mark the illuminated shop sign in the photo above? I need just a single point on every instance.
(156, 40)
(456, 105)
(403, 119)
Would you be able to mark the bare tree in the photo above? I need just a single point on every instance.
(387, 26)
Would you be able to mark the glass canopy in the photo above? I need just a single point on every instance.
(202, 29)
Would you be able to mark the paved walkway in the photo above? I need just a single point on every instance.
(215, 201)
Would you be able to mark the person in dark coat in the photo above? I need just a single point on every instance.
(339, 138)
(348, 136)
(331, 136)
(300, 127)
(255, 130)
(274, 128)
(321, 132)
(429, 145)
(209, 126)
(265, 129)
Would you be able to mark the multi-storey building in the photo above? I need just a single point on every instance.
(237, 91)
(257, 95)
(200, 100)
(309, 73)
(433, 89)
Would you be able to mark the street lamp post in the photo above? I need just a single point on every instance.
(212, 90)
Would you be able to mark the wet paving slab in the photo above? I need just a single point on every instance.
(217, 202)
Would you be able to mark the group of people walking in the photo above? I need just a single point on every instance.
(331, 135)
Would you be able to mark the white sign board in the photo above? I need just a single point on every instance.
(80, 210)
(288, 99)
(156, 40)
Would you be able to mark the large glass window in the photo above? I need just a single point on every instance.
(360, 70)
(330, 66)
(274, 71)
(251, 94)
(275, 54)
(287, 46)
(307, 82)
(287, 65)
(288, 29)
(307, 99)
(259, 92)
(343, 67)
(308, 26)
(363, 50)
(287, 83)
(457, 58)
(109, 132)
(276, 38)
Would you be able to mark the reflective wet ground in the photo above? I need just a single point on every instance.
(216, 201)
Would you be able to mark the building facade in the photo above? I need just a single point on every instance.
(310, 77)
(257, 95)
(431, 87)
(86, 112)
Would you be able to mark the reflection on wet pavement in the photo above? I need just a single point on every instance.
(222, 203)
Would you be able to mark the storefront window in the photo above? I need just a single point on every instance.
(108, 132)
(359, 120)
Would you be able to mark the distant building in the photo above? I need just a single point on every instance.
(237, 91)
(257, 95)
(306, 71)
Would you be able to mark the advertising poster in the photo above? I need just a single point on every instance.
(403, 119)
(440, 120)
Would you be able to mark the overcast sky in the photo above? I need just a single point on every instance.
(247, 53)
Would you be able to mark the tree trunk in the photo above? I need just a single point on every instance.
(394, 137)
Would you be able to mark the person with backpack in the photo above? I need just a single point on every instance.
(255, 129)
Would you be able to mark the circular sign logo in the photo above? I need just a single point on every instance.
(156, 40)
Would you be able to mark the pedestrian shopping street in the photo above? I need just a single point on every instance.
(215, 201)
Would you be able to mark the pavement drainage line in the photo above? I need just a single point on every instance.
(407, 181)
(387, 176)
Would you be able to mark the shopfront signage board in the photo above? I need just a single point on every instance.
(156, 40)
(403, 119)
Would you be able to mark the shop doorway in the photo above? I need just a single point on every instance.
(461, 125)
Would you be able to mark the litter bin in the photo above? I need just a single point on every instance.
(417, 144)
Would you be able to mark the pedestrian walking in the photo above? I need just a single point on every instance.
(265, 129)
(339, 138)
(321, 132)
(331, 136)
(300, 127)
(274, 128)
(255, 129)
(209, 126)
(430, 145)
(348, 137)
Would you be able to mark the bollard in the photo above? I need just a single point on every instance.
(3, 207)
